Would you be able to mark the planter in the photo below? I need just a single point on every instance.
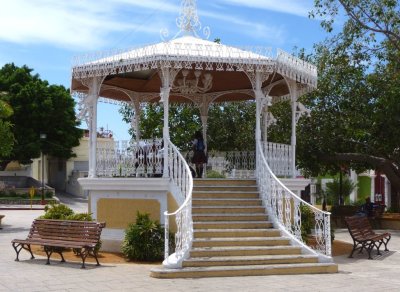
(18, 201)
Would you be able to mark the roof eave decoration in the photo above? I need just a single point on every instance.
(200, 55)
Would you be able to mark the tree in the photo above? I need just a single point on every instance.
(354, 112)
(38, 108)
(183, 122)
(7, 137)
(334, 188)
(230, 126)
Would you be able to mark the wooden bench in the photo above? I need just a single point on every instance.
(58, 235)
(364, 237)
(1, 217)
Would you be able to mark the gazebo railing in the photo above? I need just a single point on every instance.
(181, 188)
(285, 210)
(129, 158)
(144, 159)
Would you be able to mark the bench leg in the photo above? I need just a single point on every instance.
(49, 251)
(19, 246)
(369, 249)
(385, 242)
(83, 253)
(95, 256)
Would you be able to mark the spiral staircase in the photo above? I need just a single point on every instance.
(233, 237)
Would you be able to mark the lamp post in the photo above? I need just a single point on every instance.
(42, 138)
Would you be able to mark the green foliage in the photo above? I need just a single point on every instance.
(37, 108)
(184, 120)
(333, 189)
(307, 221)
(230, 126)
(63, 212)
(12, 193)
(354, 111)
(80, 217)
(144, 240)
(7, 137)
(214, 174)
(57, 211)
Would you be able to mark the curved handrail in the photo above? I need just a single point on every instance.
(284, 208)
(182, 182)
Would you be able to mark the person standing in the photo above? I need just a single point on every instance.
(199, 156)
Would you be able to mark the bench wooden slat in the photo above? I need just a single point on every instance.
(82, 236)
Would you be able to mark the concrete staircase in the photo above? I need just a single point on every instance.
(233, 237)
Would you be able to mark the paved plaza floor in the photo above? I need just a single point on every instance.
(357, 274)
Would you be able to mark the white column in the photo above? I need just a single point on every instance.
(93, 140)
(293, 95)
(354, 179)
(165, 97)
(94, 89)
(204, 126)
(388, 193)
(165, 75)
(135, 122)
(372, 195)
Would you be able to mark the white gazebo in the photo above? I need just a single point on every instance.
(191, 70)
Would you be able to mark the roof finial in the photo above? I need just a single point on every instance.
(188, 20)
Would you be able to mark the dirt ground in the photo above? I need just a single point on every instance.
(338, 248)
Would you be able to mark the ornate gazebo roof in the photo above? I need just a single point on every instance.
(201, 68)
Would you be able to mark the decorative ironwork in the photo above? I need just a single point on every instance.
(129, 158)
(205, 55)
(185, 85)
(241, 164)
(182, 181)
(284, 209)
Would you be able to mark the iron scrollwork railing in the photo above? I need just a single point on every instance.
(129, 158)
(279, 158)
(182, 186)
(285, 209)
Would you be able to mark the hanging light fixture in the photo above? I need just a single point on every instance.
(200, 84)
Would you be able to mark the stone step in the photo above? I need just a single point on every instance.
(232, 224)
(224, 182)
(225, 195)
(240, 241)
(226, 202)
(222, 233)
(221, 188)
(244, 251)
(227, 209)
(229, 217)
(249, 260)
(238, 271)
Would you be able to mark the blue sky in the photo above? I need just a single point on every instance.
(46, 34)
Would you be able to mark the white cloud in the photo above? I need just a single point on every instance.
(255, 30)
(295, 7)
(76, 24)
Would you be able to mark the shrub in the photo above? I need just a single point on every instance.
(214, 174)
(307, 221)
(144, 240)
(80, 217)
(57, 211)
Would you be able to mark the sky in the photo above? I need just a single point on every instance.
(45, 35)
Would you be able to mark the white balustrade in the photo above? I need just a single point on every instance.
(285, 209)
(279, 158)
(182, 186)
(241, 164)
(129, 158)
